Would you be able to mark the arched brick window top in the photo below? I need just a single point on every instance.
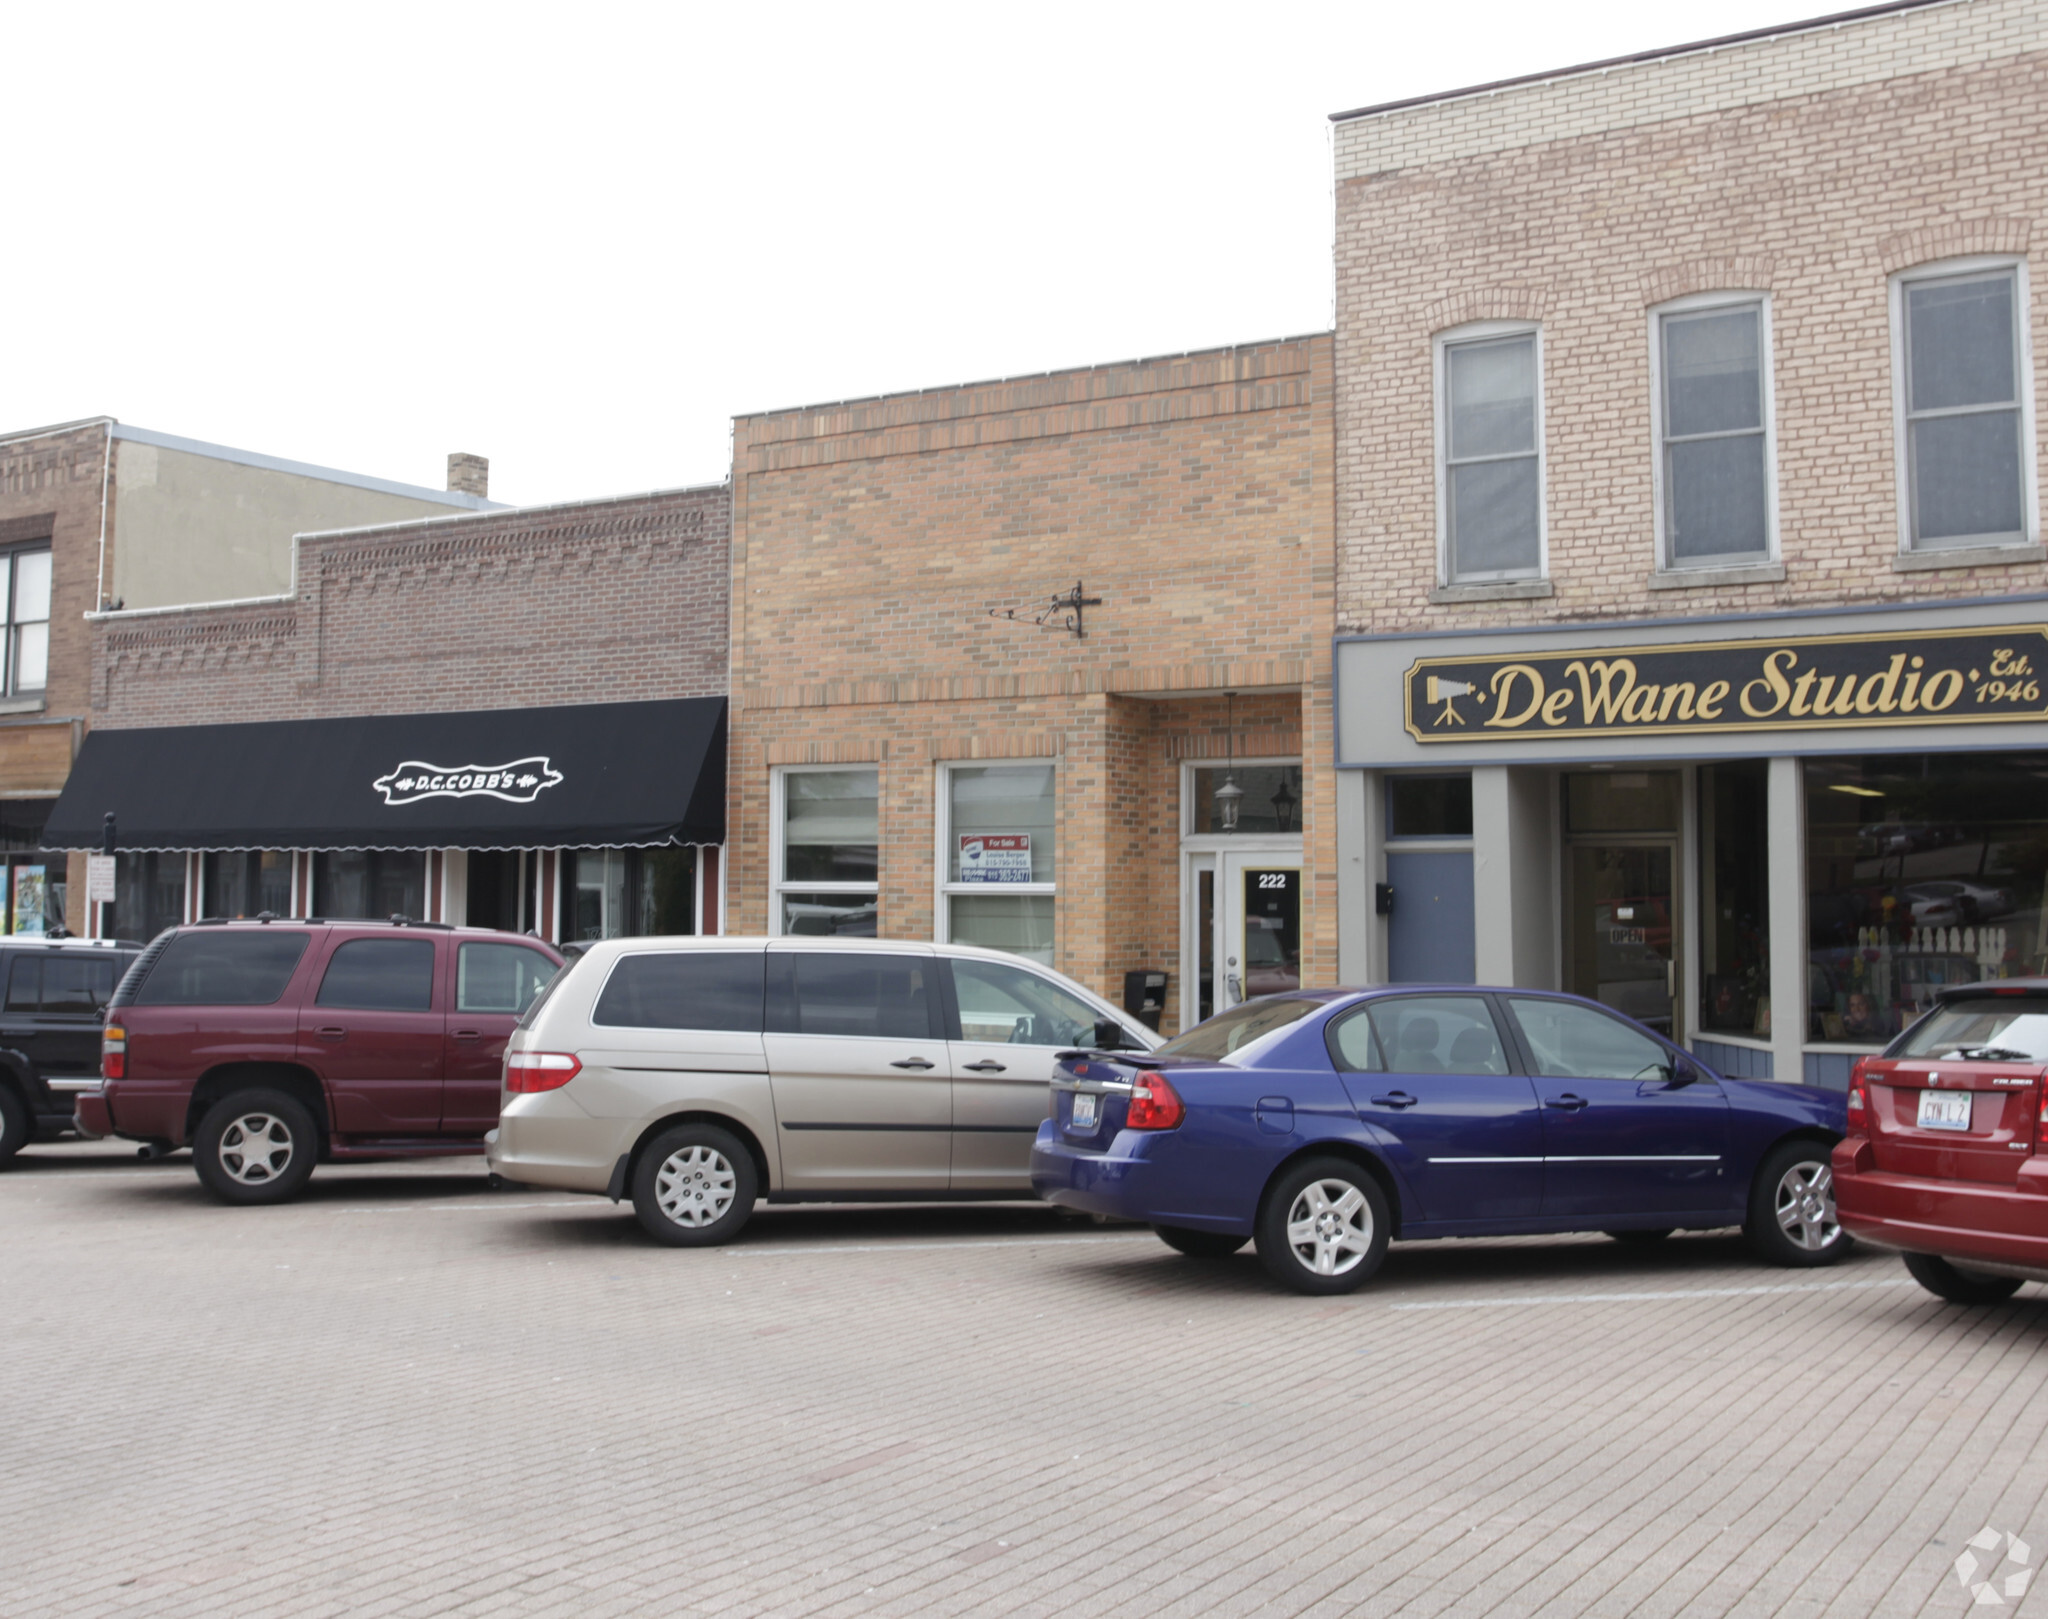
(1488, 303)
(1726, 274)
(1951, 239)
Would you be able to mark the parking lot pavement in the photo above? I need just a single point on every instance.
(408, 1395)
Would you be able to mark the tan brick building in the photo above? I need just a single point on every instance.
(1651, 371)
(905, 761)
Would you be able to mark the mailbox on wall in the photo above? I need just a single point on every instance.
(1145, 995)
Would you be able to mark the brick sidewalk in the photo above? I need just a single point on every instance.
(408, 1396)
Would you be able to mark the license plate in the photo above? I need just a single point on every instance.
(1944, 1110)
(1084, 1110)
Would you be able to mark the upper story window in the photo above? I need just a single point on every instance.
(1714, 452)
(1489, 450)
(1965, 466)
(827, 848)
(27, 582)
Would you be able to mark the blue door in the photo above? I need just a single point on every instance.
(1431, 1073)
(1429, 931)
(1620, 1137)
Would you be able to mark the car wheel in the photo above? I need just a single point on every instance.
(1792, 1217)
(255, 1147)
(1639, 1239)
(1199, 1244)
(15, 1123)
(694, 1186)
(1957, 1285)
(1324, 1227)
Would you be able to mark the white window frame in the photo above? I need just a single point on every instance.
(777, 826)
(10, 631)
(1456, 336)
(2030, 508)
(943, 890)
(1767, 363)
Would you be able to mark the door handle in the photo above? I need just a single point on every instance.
(912, 1062)
(1236, 986)
(332, 1034)
(468, 1034)
(1394, 1099)
(1568, 1102)
(981, 1067)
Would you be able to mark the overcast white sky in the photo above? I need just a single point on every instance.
(579, 239)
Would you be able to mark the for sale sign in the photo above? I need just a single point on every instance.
(995, 857)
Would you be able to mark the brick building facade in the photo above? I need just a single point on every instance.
(614, 602)
(873, 544)
(1723, 349)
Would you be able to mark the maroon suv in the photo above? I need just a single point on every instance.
(270, 1045)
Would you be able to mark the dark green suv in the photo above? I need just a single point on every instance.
(53, 999)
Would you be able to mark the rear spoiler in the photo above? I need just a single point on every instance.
(1134, 1059)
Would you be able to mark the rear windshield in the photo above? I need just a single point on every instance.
(685, 989)
(1236, 1029)
(218, 968)
(1995, 1028)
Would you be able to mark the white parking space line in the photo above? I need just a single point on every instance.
(1511, 1302)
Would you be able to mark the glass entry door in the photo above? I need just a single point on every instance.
(1258, 946)
(1621, 928)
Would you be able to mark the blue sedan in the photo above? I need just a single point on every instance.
(1324, 1124)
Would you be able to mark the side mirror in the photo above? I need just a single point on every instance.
(1681, 1072)
(1109, 1035)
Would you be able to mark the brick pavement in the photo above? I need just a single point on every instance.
(407, 1396)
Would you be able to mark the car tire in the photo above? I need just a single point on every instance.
(256, 1146)
(1958, 1285)
(1639, 1239)
(1199, 1244)
(1323, 1227)
(694, 1186)
(16, 1126)
(1792, 1219)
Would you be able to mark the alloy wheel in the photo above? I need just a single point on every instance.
(1329, 1227)
(1805, 1206)
(256, 1148)
(694, 1186)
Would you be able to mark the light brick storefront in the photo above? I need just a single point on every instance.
(1777, 291)
(873, 540)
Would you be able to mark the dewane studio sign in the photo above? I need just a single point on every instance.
(1936, 677)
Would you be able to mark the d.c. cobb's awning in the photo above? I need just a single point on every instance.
(594, 774)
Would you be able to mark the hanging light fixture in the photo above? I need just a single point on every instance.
(1283, 806)
(1229, 797)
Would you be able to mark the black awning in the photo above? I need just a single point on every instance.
(511, 778)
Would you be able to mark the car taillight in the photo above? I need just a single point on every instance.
(539, 1070)
(1154, 1105)
(114, 1053)
(1859, 1108)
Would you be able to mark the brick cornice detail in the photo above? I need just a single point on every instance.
(1246, 675)
(1487, 303)
(1952, 239)
(344, 562)
(1750, 273)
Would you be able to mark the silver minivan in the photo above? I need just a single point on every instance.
(698, 1075)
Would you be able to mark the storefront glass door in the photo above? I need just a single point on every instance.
(1621, 928)
(1259, 942)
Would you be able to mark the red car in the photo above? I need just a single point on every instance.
(269, 1045)
(1943, 1159)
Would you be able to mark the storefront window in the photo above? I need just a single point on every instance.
(370, 884)
(149, 895)
(1922, 870)
(34, 877)
(828, 858)
(1271, 801)
(627, 893)
(1621, 801)
(999, 858)
(1735, 900)
(247, 882)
